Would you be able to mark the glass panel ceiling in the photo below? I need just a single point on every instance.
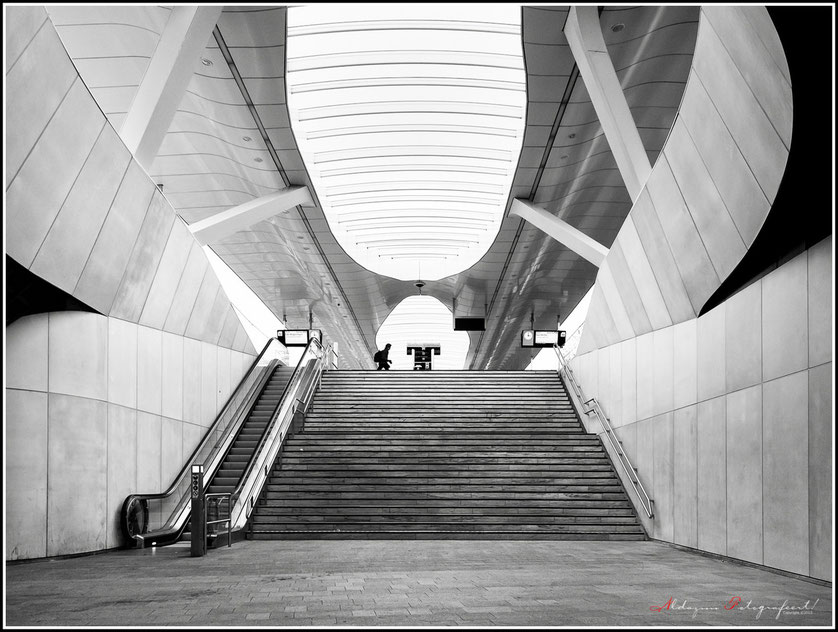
(410, 120)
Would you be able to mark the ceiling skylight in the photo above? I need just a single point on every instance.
(410, 120)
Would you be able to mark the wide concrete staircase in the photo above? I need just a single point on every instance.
(443, 454)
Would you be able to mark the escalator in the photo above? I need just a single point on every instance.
(235, 453)
(245, 444)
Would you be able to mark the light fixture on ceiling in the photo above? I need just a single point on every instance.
(420, 285)
(571, 135)
(257, 160)
(246, 139)
(206, 62)
(616, 28)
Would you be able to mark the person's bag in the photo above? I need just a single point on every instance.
(377, 357)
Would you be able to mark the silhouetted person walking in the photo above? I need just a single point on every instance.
(381, 357)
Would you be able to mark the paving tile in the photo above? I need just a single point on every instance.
(398, 583)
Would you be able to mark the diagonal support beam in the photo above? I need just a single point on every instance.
(166, 79)
(584, 34)
(213, 229)
(561, 231)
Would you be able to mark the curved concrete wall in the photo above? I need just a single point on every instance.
(82, 214)
(710, 190)
(728, 418)
(98, 408)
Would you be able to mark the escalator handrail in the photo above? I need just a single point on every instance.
(207, 436)
(300, 373)
(270, 424)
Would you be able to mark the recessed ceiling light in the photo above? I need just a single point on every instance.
(206, 61)
(618, 27)
(247, 138)
(571, 135)
(257, 160)
(564, 157)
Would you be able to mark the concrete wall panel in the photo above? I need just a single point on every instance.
(26, 476)
(209, 385)
(711, 354)
(615, 383)
(744, 474)
(628, 381)
(820, 471)
(662, 371)
(684, 364)
(149, 370)
(752, 130)
(644, 450)
(172, 376)
(27, 353)
(222, 377)
(22, 25)
(77, 475)
(786, 472)
(684, 477)
(664, 477)
(36, 194)
(108, 260)
(637, 264)
(171, 450)
(627, 288)
(33, 93)
(161, 295)
(228, 330)
(188, 287)
(645, 376)
(192, 380)
(122, 363)
(78, 354)
(718, 233)
(711, 476)
(693, 263)
(734, 181)
(122, 467)
(743, 338)
(749, 54)
(661, 259)
(83, 213)
(785, 340)
(145, 258)
(820, 310)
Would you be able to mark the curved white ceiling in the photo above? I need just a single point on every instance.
(410, 120)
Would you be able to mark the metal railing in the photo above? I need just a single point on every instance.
(160, 518)
(298, 394)
(216, 500)
(593, 407)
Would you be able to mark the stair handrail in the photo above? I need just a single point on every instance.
(304, 381)
(594, 407)
(223, 430)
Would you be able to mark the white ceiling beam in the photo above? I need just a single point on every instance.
(213, 229)
(166, 79)
(561, 231)
(584, 34)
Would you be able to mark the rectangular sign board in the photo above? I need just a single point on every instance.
(540, 338)
(297, 337)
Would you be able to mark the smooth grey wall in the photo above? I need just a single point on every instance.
(728, 419)
(98, 408)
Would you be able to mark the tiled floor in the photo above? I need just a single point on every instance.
(408, 583)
